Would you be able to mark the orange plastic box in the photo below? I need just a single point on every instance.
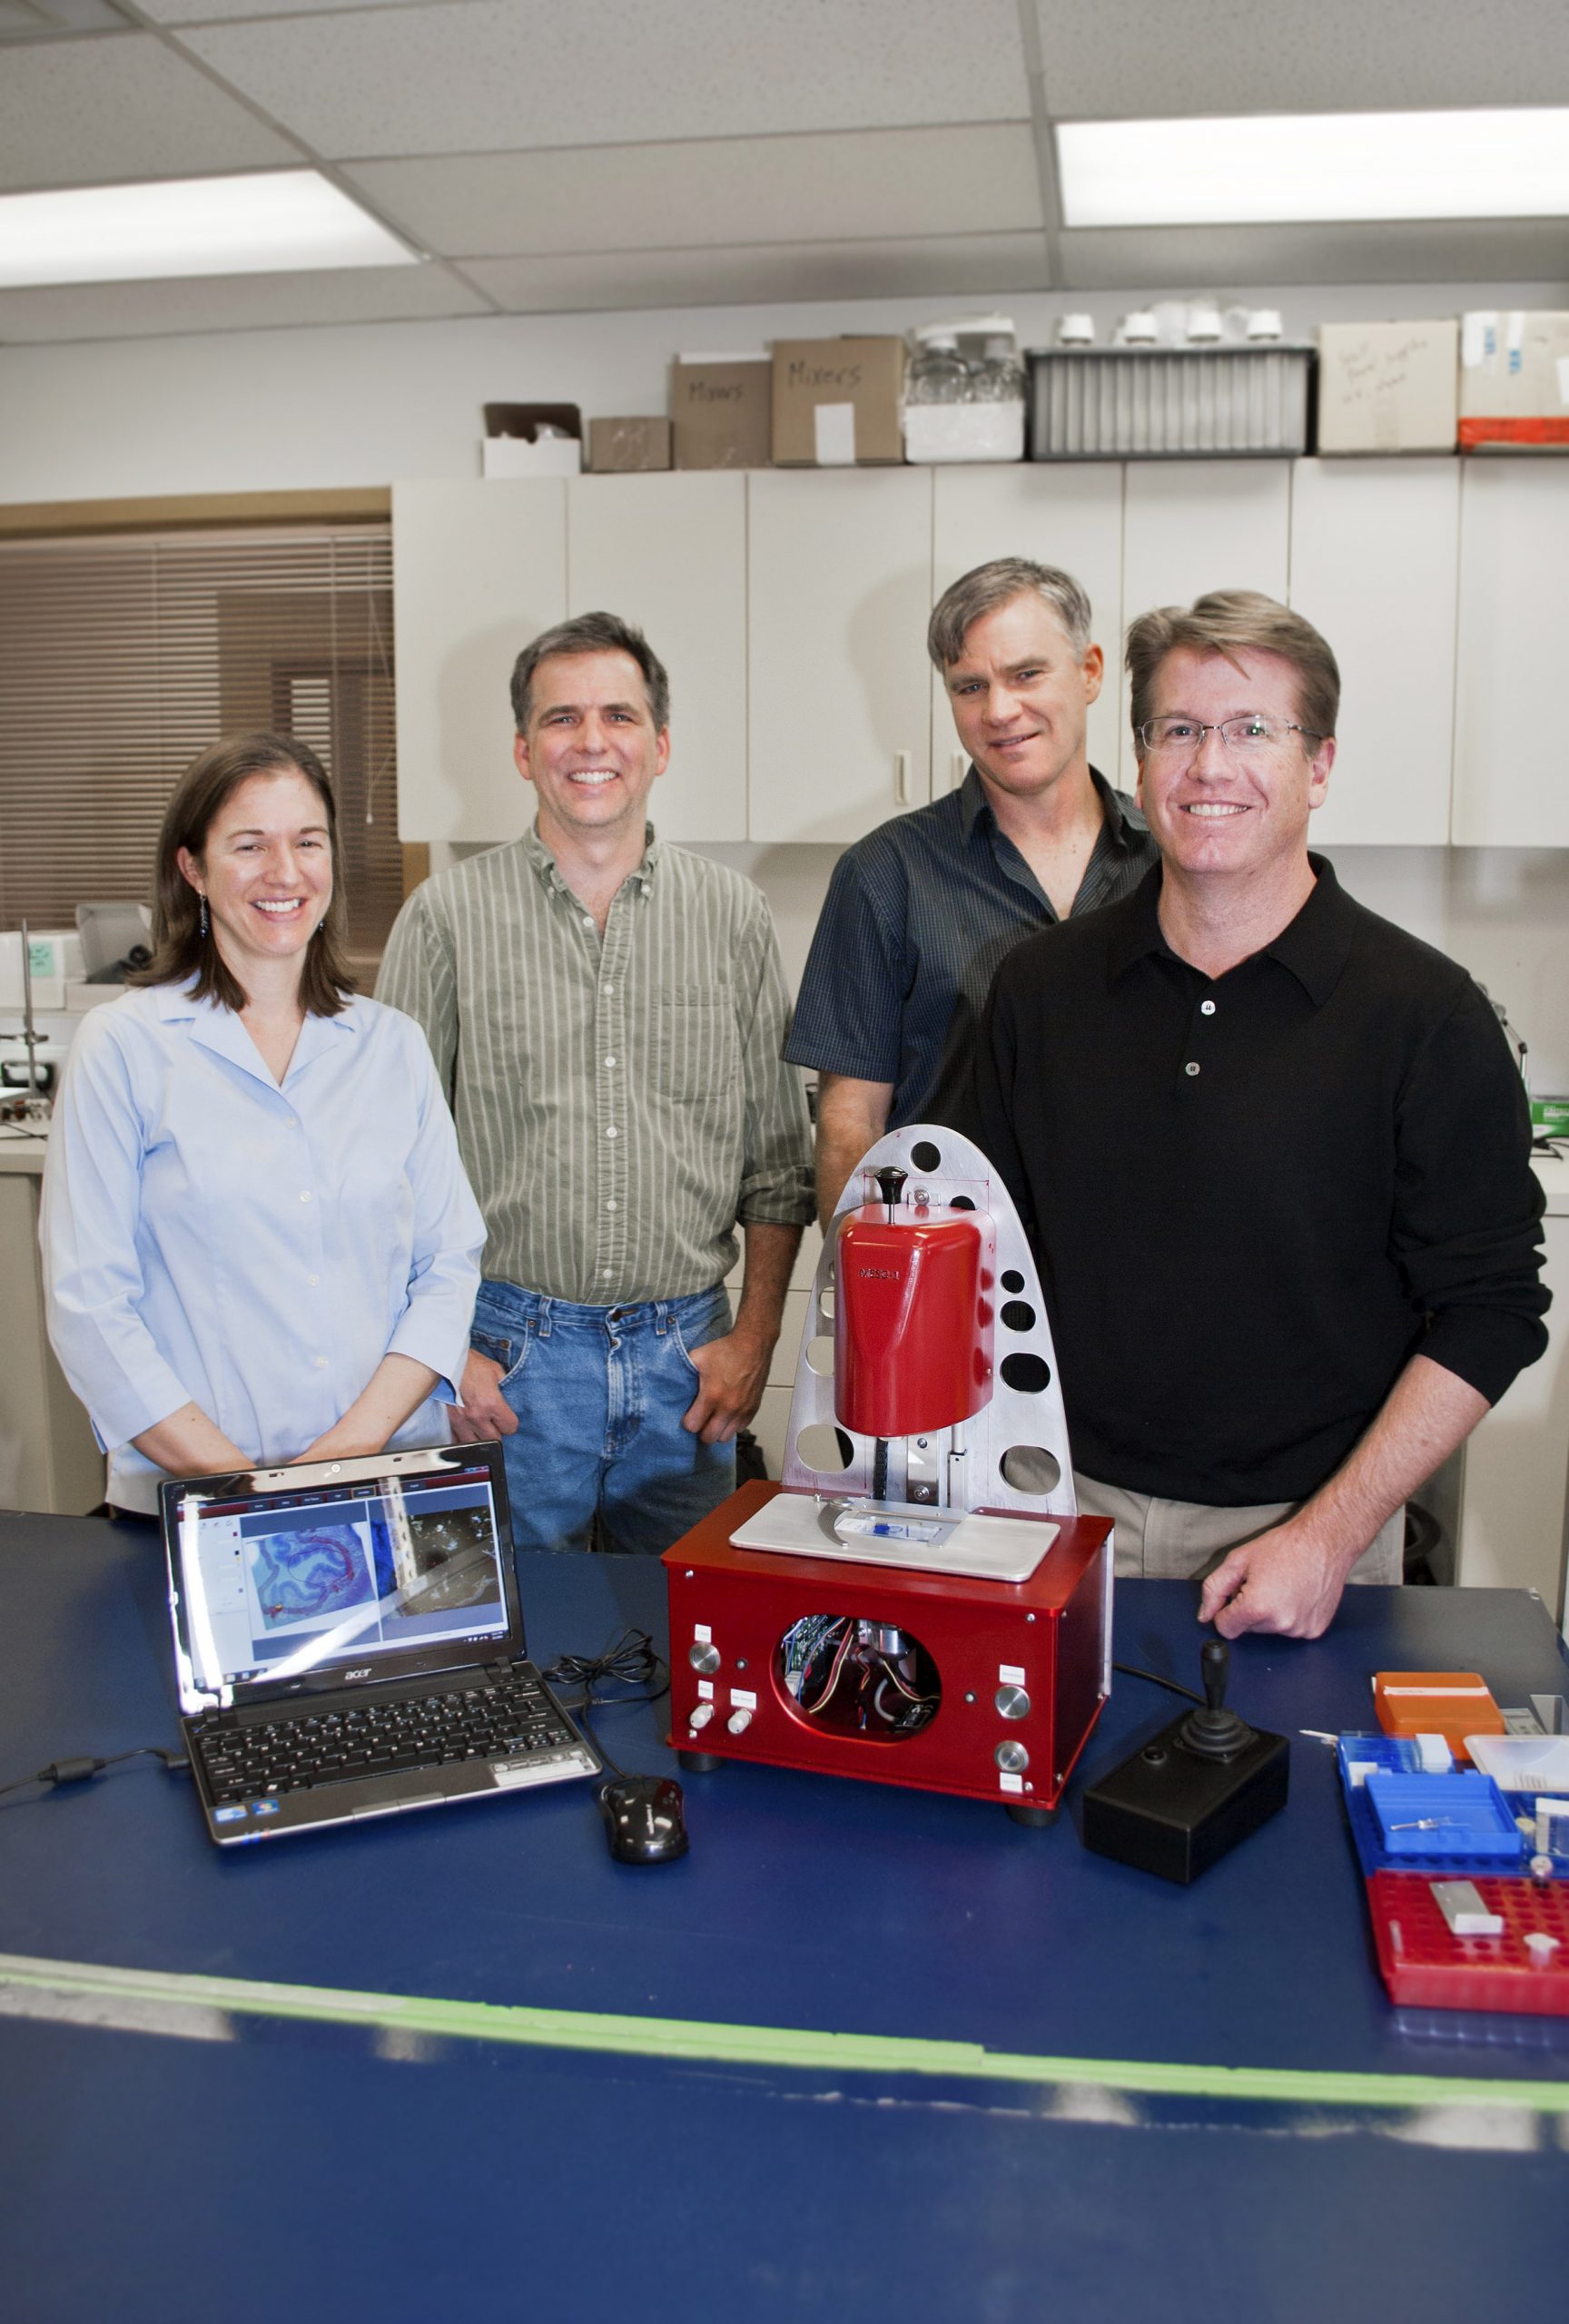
(1450, 1703)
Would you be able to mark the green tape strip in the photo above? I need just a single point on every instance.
(700, 2041)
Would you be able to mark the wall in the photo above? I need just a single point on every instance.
(271, 410)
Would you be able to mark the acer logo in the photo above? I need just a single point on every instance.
(359, 1674)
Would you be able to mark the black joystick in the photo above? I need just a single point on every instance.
(1193, 1790)
(1215, 1732)
(891, 1179)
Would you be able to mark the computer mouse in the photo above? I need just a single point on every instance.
(644, 1819)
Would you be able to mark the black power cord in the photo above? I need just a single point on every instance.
(1129, 1670)
(63, 1771)
(629, 1664)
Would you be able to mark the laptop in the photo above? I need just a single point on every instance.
(348, 1642)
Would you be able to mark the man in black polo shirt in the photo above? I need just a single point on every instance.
(1272, 1152)
(921, 910)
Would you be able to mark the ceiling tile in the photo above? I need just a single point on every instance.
(232, 302)
(966, 266)
(1145, 57)
(1207, 257)
(94, 112)
(216, 12)
(497, 76)
(36, 19)
(841, 187)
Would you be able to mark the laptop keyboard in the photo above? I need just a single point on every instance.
(510, 1720)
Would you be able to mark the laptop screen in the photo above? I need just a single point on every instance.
(348, 1571)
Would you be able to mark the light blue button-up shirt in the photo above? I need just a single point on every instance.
(212, 1238)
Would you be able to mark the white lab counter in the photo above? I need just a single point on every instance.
(1515, 1478)
(49, 1459)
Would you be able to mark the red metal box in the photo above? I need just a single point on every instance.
(1021, 1669)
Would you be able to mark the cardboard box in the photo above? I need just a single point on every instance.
(625, 447)
(1515, 380)
(1389, 387)
(721, 411)
(836, 402)
(514, 444)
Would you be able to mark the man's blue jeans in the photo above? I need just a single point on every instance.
(600, 1393)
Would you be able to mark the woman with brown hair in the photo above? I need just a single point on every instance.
(259, 1241)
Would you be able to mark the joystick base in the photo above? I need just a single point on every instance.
(1165, 1811)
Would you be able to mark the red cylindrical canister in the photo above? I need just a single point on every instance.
(912, 1324)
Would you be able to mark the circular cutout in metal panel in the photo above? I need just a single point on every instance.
(1030, 1468)
(1029, 1374)
(820, 1357)
(866, 1680)
(823, 1449)
(1012, 1280)
(925, 1156)
(1018, 1314)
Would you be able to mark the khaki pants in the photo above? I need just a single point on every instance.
(1180, 1540)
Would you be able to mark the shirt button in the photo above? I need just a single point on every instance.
(306, 1195)
(312, 1280)
(607, 988)
(604, 1275)
(611, 1131)
(587, 920)
(1189, 1070)
(291, 1123)
(609, 1060)
(1206, 1009)
(611, 1203)
(320, 1364)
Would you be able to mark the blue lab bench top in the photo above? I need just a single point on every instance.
(864, 2050)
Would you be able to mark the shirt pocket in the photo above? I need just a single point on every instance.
(697, 1048)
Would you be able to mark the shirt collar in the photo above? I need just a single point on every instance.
(1121, 822)
(220, 1030)
(547, 872)
(1314, 946)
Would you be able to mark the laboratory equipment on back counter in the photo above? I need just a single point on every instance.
(919, 1602)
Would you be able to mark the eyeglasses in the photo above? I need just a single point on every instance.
(1248, 737)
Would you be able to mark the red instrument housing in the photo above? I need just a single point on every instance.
(1017, 1663)
(913, 1320)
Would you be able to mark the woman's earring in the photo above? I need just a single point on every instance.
(201, 893)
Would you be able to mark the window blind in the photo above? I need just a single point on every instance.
(121, 658)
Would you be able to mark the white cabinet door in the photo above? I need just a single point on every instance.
(1063, 513)
(1374, 550)
(478, 570)
(670, 554)
(1510, 789)
(840, 721)
(1192, 526)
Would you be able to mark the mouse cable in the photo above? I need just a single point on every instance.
(1131, 1670)
(628, 1661)
(61, 1771)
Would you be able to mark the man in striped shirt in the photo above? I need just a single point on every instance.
(607, 1013)
(920, 912)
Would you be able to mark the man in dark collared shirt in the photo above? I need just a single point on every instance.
(1272, 1152)
(921, 911)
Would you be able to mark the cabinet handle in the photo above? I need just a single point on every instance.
(901, 777)
(959, 768)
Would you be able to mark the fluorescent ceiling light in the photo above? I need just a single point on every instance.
(274, 222)
(1280, 168)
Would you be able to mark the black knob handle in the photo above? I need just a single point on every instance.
(1216, 1659)
(891, 1179)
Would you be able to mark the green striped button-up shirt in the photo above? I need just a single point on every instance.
(621, 1103)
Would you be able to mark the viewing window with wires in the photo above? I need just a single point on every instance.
(848, 1676)
(122, 657)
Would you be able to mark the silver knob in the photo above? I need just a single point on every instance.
(1012, 1757)
(1012, 1703)
(701, 1716)
(739, 1721)
(703, 1655)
